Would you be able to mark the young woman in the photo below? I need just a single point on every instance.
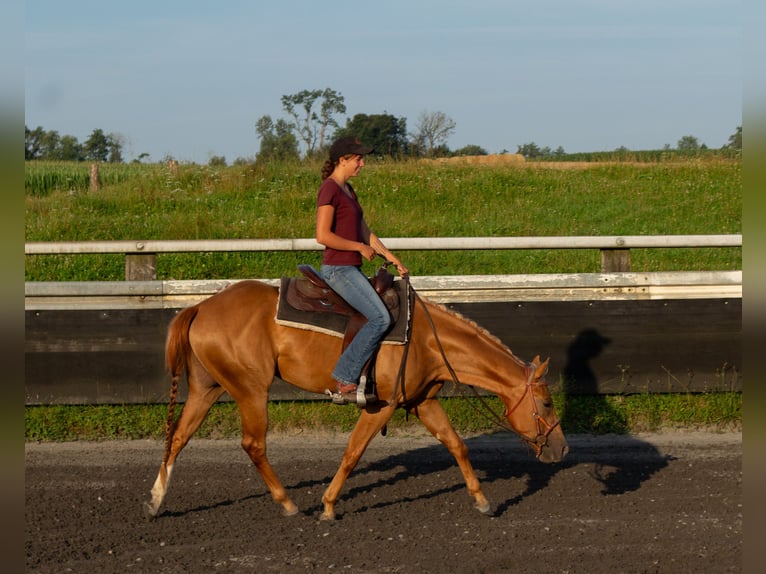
(341, 228)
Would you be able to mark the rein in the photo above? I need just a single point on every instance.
(488, 412)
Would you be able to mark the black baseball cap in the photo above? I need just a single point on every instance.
(348, 146)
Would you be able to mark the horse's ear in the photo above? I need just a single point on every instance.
(536, 361)
(541, 368)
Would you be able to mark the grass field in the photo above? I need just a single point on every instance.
(408, 199)
(665, 196)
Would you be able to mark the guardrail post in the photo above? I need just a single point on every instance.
(615, 260)
(95, 181)
(140, 266)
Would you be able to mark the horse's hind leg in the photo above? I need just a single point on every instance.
(254, 413)
(203, 392)
(432, 415)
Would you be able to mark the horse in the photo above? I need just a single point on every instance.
(231, 342)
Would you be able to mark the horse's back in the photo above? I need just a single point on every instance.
(247, 292)
(238, 304)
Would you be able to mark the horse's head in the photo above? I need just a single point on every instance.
(532, 415)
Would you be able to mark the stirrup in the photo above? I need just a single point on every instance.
(360, 398)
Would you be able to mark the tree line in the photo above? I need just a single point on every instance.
(312, 119)
(49, 145)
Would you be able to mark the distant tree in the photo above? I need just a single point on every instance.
(243, 161)
(96, 147)
(470, 149)
(311, 125)
(529, 150)
(49, 145)
(115, 143)
(386, 133)
(688, 143)
(433, 131)
(277, 140)
(217, 161)
(559, 152)
(70, 149)
(735, 139)
(32, 142)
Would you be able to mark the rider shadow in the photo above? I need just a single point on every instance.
(579, 380)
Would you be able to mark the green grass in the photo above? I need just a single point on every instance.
(401, 199)
(581, 414)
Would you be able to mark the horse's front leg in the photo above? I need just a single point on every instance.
(254, 413)
(432, 415)
(366, 428)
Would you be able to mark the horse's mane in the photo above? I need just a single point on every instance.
(481, 330)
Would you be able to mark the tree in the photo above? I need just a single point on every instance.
(70, 149)
(529, 150)
(33, 142)
(310, 125)
(115, 143)
(688, 143)
(470, 149)
(433, 130)
(386, 133)
(735, 139)
(96, 147)
(277, 140)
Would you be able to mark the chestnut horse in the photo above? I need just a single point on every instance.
(231, 342)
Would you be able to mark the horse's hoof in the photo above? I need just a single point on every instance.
(149, 511)
(327, 517)
(290, 511)
(485, 509)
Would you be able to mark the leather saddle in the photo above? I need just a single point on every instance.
(312, 293)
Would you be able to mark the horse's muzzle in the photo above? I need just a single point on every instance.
(553, 451)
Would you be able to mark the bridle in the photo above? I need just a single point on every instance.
(542, 427)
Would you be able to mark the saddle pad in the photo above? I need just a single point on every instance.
(335, 324)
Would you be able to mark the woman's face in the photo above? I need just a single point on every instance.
(352, 164)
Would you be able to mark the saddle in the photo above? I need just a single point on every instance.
(312, 293)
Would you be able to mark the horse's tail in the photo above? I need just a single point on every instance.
(177, 350)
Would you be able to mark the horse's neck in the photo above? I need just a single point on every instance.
(477, 357)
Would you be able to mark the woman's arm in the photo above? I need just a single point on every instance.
(381, 249)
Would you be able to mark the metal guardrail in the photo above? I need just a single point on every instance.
(140, 256)
(440, 289)
(398, 243)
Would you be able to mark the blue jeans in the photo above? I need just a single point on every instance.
(352, 284)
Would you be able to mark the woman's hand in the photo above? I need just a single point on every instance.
(367, 252)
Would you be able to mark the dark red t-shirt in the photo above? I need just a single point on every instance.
(347, 221)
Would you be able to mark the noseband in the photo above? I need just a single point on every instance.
(543, 428)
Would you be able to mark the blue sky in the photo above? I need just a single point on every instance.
(190, 78)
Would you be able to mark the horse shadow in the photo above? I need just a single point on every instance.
(617, 463)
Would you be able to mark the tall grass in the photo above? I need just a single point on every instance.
(401, 199)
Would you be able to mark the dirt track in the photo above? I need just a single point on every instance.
(652, 503)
